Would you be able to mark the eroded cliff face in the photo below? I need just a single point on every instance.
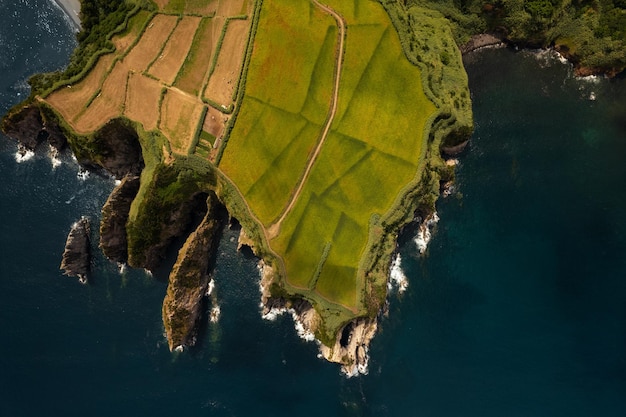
(189, 279)
(113, 240)
(29, 128)
(76, 259)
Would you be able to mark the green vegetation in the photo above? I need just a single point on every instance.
(190, 78)
(274, 138)
(591, 32)
(101, 20)
(376, 150)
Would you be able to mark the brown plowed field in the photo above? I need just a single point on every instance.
(224, 78)
(70, 101)
(161, 3)
(194, 70)
(142, 100)
(180, 115)
(228, 8)
(136, 23)
(171, 59)
(151, 42)
(203, 7)
(108, 104)
(214, 122)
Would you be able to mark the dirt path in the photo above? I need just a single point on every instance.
(274, 229)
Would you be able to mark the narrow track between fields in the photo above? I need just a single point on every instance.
(274, 229)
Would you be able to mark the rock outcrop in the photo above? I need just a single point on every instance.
(352, 346)
(189, 280)
(77, 254)
(29, 128)
(113, 241)
(115, 147)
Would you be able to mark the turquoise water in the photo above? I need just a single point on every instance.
(517, 309)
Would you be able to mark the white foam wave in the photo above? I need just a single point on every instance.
(397, 278)
(54, 157)
(215, 313)
(424, 233)
(82, 174)
(210, 287)
(23, 154)
(301, 330)
(593, 79)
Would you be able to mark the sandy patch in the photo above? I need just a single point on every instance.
(214, 122)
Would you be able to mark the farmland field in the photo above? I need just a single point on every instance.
(169, 62)
(142, 100)
(373, 149)
(322, 135)
(180, 114)
(195, 68)
(227, 69)
(154, 51)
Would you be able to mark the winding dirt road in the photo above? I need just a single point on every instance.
(274, 229)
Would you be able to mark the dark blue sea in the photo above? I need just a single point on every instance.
(518, 308)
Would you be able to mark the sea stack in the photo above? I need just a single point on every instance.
(77, 253)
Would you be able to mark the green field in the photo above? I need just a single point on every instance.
(373, 151)
(284, 105)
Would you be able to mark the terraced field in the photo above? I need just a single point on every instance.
(159, 70)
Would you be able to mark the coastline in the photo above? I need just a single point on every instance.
(72, 9)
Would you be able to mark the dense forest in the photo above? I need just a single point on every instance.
(592, 33)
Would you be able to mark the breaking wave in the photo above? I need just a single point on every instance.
(397, 278)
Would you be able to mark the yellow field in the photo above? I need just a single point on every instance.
(227, 70)
(372, 151)
(142, 100)
(108, 104)
(151, 42)
(168, 64)
(180, 115)
(196, 66)
(70, 101)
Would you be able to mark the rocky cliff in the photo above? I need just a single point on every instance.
(30, 128)
(189, 279)
(113, 241)
(77, 254)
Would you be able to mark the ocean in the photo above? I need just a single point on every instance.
(517, 308)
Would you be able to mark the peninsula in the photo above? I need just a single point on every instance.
(319, 125)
